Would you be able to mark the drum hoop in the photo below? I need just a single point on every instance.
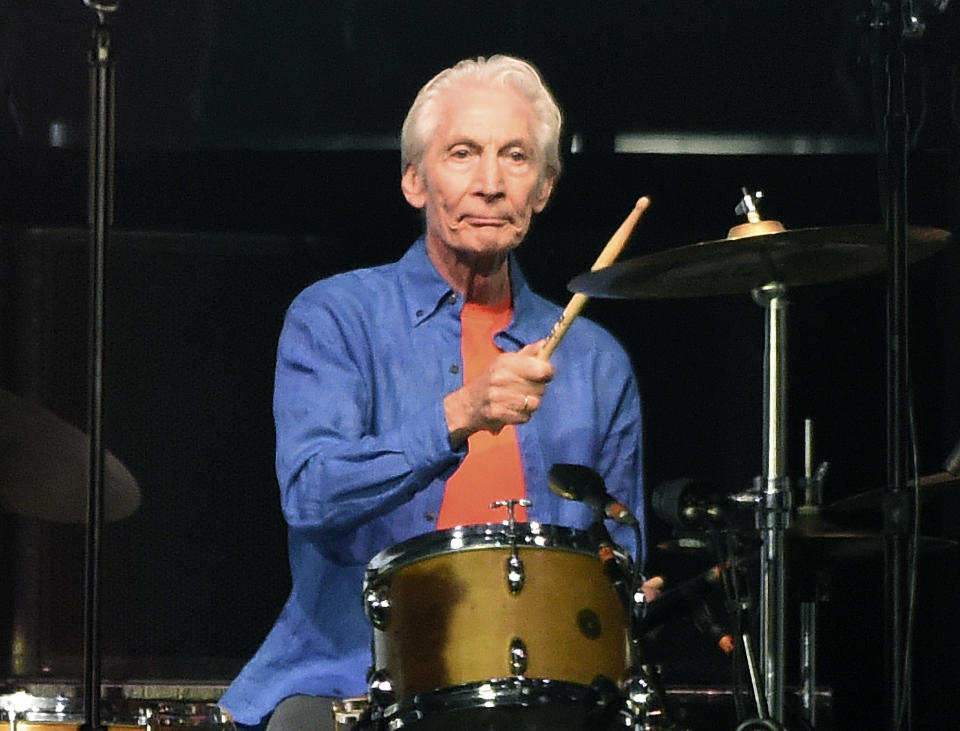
(479, 537)
(513, 692)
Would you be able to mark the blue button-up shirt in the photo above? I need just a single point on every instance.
(364, 361)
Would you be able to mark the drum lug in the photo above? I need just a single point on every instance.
(376, 604)
(380, 688)
(518, 656)
(516, 574)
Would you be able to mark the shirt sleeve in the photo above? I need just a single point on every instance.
(621, 459)
(335, 472)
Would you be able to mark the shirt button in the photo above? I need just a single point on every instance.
(452, 299)
(430, 516)
(454, 369)
(419, 313)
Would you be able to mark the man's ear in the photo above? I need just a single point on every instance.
(545, 188)
(414, 188)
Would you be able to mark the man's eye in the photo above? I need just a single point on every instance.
(518, 155)
(460, 153)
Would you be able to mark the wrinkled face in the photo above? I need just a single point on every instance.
(480, 181)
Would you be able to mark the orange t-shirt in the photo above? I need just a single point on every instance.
(491, 470)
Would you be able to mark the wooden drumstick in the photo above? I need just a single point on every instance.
(609, 254)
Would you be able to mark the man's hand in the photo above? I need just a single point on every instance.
(509, 392)
(652, 588)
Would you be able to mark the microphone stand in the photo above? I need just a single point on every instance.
(100, 214)
(890, 29)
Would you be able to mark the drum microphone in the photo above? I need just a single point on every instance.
(580, 483)
(688, 504)
(612, 568)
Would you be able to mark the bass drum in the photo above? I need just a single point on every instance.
(488, 627)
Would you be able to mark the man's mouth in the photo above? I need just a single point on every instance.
(483, 220)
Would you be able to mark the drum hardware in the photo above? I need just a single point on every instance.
(376, 605)
(813, 497)
(347, 712)
(518, 657)
(100, 219)
(756, 684)
(765, 260)
(515, 573)
(380, 688)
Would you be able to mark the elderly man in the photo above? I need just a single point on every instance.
(409, 396)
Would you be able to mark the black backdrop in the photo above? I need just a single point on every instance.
(194, 579)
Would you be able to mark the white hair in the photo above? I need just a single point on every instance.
(503, 71)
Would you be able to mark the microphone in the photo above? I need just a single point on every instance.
(580, 483)
(612, 567)
(688, 504)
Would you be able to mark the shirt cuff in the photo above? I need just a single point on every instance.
(427, 443)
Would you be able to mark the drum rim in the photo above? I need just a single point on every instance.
(479, 537)
(510, 692)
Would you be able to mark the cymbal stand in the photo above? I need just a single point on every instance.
(759, 699)
(100, 213)
(774, 498)
(809, 610)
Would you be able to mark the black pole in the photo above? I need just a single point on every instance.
(898, 504)
(100, 214)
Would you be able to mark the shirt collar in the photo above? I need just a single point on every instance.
(422, 286)
(424, 290)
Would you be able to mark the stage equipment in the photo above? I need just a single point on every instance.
(513, 624)
(43, 466)
(764, 259)
(102, 137)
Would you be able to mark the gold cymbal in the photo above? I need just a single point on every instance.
(816, 541)
(739, 265)
(870, 502)
(44, 463)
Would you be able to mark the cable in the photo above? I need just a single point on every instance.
(905, 707)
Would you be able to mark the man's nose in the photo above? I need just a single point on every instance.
(489, 181)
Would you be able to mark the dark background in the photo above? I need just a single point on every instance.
(257, 152)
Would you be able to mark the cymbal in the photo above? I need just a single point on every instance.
(870, 502)
(44, 464)
(822, 543)
(739, 265)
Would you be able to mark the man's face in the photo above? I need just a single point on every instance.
(480, 182)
